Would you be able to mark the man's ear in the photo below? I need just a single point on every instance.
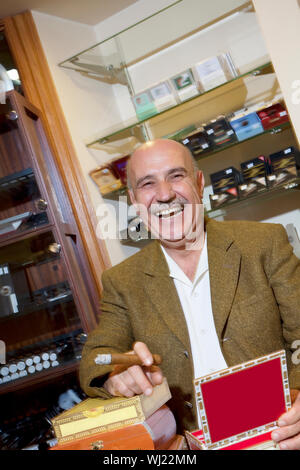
(133, 201)
(200, 183)
(131, 196)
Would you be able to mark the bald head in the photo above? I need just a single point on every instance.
(156, 149)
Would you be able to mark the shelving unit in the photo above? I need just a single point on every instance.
(45, 304)
(133, 127)
(135, 60)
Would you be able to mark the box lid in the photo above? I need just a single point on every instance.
(244, 400)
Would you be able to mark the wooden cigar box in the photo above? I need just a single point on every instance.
(157, 432)
(239, 407)
(134, 437)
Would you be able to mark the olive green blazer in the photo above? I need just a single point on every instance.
(255, 291)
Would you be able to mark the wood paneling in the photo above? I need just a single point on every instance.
(24, 42)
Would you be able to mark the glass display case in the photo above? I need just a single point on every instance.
(39, 321)
(46, 296)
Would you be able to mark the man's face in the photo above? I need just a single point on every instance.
(167, 192)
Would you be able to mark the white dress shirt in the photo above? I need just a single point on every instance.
(195, 300)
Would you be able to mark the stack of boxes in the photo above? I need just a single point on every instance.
(255, 175)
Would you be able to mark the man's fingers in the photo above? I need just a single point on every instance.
(135, 379)
(132, 381)
(292, 416)
(286, 432)
(143, 352)
(290, 444)
(155, 375)
(138, 375)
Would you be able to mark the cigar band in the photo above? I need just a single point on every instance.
(103, 359)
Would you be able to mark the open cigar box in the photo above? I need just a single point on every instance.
(239, 407)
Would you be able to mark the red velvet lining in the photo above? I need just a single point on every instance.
(244, 400)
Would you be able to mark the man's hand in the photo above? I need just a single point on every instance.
(135, 380)
(288, 434)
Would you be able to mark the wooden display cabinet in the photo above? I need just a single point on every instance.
(48, 300)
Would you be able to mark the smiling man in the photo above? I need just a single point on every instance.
(205, 295)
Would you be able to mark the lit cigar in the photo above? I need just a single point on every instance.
(124, 359)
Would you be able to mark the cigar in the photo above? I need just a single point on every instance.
(124, 359)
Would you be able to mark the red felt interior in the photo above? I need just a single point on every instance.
(244, 400)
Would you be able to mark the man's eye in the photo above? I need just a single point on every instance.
(177, 176)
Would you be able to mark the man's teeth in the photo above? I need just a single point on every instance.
(168, 212)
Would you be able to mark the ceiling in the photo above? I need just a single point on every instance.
(88, 11)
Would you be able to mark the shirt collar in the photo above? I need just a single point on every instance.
(177, 273)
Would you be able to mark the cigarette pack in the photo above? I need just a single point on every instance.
(283, 166)
(240, 406)
(214, 71)
(246, 125)
(184, 85)
(197, 142)
(220, 132)
(225, 185)
(254, 174)
(163, 96)
(273, 116)
(144, 105)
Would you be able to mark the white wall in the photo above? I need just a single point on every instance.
(280, 25)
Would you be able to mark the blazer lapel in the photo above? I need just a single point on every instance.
(224, 267)
(163, 294)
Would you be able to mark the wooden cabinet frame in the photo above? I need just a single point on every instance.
(23, 39)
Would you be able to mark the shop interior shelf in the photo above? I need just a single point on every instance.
(264, 195)
(114, 195)
(128, 129)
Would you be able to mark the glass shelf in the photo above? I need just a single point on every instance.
(273, 131)
(262, 196)
(130, 128)
(184, 18)
(114, 195)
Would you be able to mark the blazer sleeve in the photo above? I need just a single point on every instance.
(284, 276)
(113, 334)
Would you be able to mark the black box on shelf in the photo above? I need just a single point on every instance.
(220, 132)
(197, 142)
(225, 185)
(283, 166)
(254, 174)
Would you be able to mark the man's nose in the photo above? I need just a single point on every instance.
(165, 192)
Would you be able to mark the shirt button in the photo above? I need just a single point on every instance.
(195, 294)
(225, 339)
(188, 404)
